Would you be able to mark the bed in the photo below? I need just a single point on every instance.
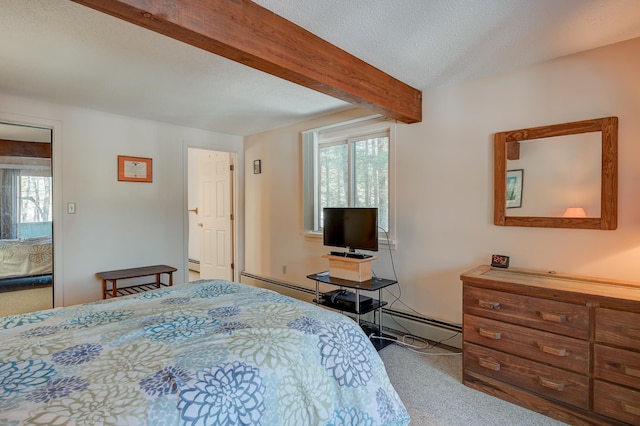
(25, 261)
(209, 352)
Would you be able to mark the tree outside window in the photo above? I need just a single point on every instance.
(25, 203)
(355, 173)
(35, 198)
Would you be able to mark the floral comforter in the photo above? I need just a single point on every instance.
(203, 353)
(31, 256)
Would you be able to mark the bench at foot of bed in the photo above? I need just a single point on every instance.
(123, 274)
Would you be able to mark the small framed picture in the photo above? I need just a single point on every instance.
(499, 261)
(257, 167)
(134, 169)
(514, 188)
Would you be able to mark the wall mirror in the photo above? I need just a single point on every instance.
(558, 176)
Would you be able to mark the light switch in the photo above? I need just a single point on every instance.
(71, 208)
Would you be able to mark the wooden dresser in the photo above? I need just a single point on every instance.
(563, 345)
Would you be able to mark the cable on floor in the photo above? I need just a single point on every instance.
(415, 348)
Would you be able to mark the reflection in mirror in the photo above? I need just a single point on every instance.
(561, 176)
(562, 172)
(26, 189)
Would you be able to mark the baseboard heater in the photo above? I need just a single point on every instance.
(390, 312)
(194, 265)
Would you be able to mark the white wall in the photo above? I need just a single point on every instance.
(444, 187)
(117, 224)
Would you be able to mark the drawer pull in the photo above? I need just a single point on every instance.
(630, 408)
(553, 351)
(488, 304)
(490, 334)
(547, 316)
(547, 383)
(630, 371)
(489, 363)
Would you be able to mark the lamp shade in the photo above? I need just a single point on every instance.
(574, 212)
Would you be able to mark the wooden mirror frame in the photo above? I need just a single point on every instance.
(506, 146)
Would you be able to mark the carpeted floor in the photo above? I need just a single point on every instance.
(22, 301)
(431, 388)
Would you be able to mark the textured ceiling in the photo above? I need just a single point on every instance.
(63, 52)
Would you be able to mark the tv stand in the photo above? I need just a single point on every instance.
(350, 268)
(357, 308)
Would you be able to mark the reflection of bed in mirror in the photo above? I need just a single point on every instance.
(25, 206)
(25, 263)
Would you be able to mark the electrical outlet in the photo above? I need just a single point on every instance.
(71, 208)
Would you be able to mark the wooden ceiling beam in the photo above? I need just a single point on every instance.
(11, 148)
(247, 33)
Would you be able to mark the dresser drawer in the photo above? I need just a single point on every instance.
(559, 351)
(554, 383)
(616, 401)
(617, 365)
(542, 314)
(618, 328)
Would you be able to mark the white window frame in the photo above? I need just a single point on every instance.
(346, 132)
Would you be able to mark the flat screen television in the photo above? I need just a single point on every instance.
(355, 228)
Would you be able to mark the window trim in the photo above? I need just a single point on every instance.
(346, 131)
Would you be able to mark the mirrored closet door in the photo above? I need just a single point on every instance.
(26, 218)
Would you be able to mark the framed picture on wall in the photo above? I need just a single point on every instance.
(514, 188)
(134, 169)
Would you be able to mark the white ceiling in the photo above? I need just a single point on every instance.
(63, 52)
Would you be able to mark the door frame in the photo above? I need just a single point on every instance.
(237, 190)
(58, 196)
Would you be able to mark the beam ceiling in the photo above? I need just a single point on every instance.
(247, 33)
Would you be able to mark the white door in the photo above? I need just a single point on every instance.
(216, 217)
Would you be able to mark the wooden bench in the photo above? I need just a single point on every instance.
(123, 274)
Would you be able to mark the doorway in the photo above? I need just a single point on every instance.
(26, 218)
(211, 216)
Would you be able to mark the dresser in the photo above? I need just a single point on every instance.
(562, 345)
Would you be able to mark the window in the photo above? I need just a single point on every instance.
(25, 181)
(348, 165)
(26, 204)
(35, 197)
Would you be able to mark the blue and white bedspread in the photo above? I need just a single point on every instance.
(203, 353)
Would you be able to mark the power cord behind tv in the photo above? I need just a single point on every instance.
(416, 348)
(397, 298)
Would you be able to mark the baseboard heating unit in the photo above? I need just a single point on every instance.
(394, 321)
(194, 265)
